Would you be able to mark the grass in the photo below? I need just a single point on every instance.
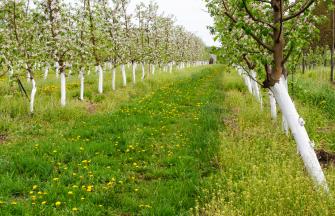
(191, 143)
(315, 97)
(260, 170)
(146, 150)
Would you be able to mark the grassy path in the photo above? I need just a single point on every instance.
(152, 156)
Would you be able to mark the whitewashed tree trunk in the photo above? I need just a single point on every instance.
(82, 84)
(296, 124)
(170, 67)
(57, 69)
(255, 88)
(63, 89)
(46, 71)
(124, 76)
(153, 69)
(113, 78)
(284, 121)
(32, 95)
(101, 79)
(70, 69)
(28, 74)
(247, 82)
(134, 65)
(143, 71)
(273, 105)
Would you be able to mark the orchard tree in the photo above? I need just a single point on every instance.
(57, 26)
(273, 25)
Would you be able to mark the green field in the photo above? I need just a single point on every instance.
(191, 142)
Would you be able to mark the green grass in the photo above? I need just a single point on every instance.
(194, 142)
(315, 96)
(260, 170)
(145, 150)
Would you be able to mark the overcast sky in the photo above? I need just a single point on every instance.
(189, 13)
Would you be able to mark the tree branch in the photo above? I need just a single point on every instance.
(251, 65)
(257, 39)
(254, 18)
(302, 9)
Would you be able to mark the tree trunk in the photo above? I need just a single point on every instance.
(255, 89)
(284, 120)
(296, 124)
(101, 79)
(82, 84)
(124, 76)
(153, 69)
(113, 78)
(273, 105)
(247, 82)
(134, 65)
(32, 95)
(46, 71)
(143, 71)
(63, 89)
(57, 69)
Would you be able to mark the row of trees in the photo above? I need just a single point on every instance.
(267, 37)
(76, 35)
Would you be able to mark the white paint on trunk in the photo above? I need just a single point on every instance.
(46, 71)
(143, 71)
(284, 121)
(247, 82)
(296, 124)
(28, 74)
(134, 65)
(124, 76)
(62, 89)
(57, 69)
(153, 69)
(273, 105)
(101, 79)
(32, 95)
(255, 89)
(82, 83)
(113, 78)
(170, 67)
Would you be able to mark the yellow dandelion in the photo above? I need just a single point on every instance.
(75, 209)
(55, 179)
(58, 203)
(44, 202)
(89, 188)
(70, 193)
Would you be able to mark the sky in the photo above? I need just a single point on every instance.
(189, 13)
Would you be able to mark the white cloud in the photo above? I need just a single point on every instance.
(189, 13)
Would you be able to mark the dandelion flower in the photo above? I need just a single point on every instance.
(58, 203)
(75, 209)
